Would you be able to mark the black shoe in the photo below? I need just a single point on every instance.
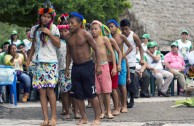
(136, 96)
(130, 104)
(163, 94)
(144, 95)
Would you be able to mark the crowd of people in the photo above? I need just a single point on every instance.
(93, 61)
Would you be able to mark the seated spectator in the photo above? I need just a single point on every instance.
(174, 62)
(27, 42)
(185, 46)
(190, 68)
(143, 76)
(17, 60)
(146, 39)
(153, 58)
(2, 54)
(191, 58)
(21, 46)
(14, 38)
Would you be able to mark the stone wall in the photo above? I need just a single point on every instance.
(162, 19)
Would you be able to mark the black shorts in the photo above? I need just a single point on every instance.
(83, 80)
(132, 87)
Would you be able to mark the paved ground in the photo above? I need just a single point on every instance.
(155, 111)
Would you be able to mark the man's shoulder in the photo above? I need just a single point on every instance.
(167, 54)
(189, 42)
(105, 38)
(81, 32)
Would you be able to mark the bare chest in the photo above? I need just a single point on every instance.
(76, 41)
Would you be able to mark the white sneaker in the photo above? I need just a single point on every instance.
(1, 100)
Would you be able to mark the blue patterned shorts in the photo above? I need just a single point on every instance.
(45, 75)
(64, 83)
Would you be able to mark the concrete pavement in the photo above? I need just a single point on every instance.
(6, 122)
(154, 111)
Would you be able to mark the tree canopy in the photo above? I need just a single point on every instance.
(24, 12)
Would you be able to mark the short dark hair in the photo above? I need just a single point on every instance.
(125, 22)
(6, 43)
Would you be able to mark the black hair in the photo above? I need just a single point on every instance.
(125, 22)
(28, 29)
(87, 25)
(42, 35)
(64, 21)
(5, 43)
(9, 48)
(76, 18)
(11, 37)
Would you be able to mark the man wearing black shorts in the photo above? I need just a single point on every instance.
(79, 45)
(83, 80)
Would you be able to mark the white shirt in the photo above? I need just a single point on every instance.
(191, 57)
(184, 48)
(144, 47)
(138, 57)
(132, 55)
(152, 63)
(61, 55)
(47, 52)
(17, 43)
(28, 44)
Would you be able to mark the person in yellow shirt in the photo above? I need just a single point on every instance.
(17, 60)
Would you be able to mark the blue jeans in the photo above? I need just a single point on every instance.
(1, 89)
(25, 81)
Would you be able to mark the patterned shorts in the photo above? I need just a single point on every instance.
(45, 75)
(64, 83)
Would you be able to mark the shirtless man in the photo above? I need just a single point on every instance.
(118, 56)
(121, 40)
(103, 82)
(79, 46)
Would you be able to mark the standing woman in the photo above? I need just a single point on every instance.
(46, 40)
(14, 38)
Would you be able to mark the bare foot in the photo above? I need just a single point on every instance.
(67, 116)
(45, 123)
(77, 116)
(124, 110)
(96, 122)
(53, 122)
(102, 116)
(115, 112)
(82, 121)
(110, 116)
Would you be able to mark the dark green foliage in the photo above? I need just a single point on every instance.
(6, 30)
(24, 12)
